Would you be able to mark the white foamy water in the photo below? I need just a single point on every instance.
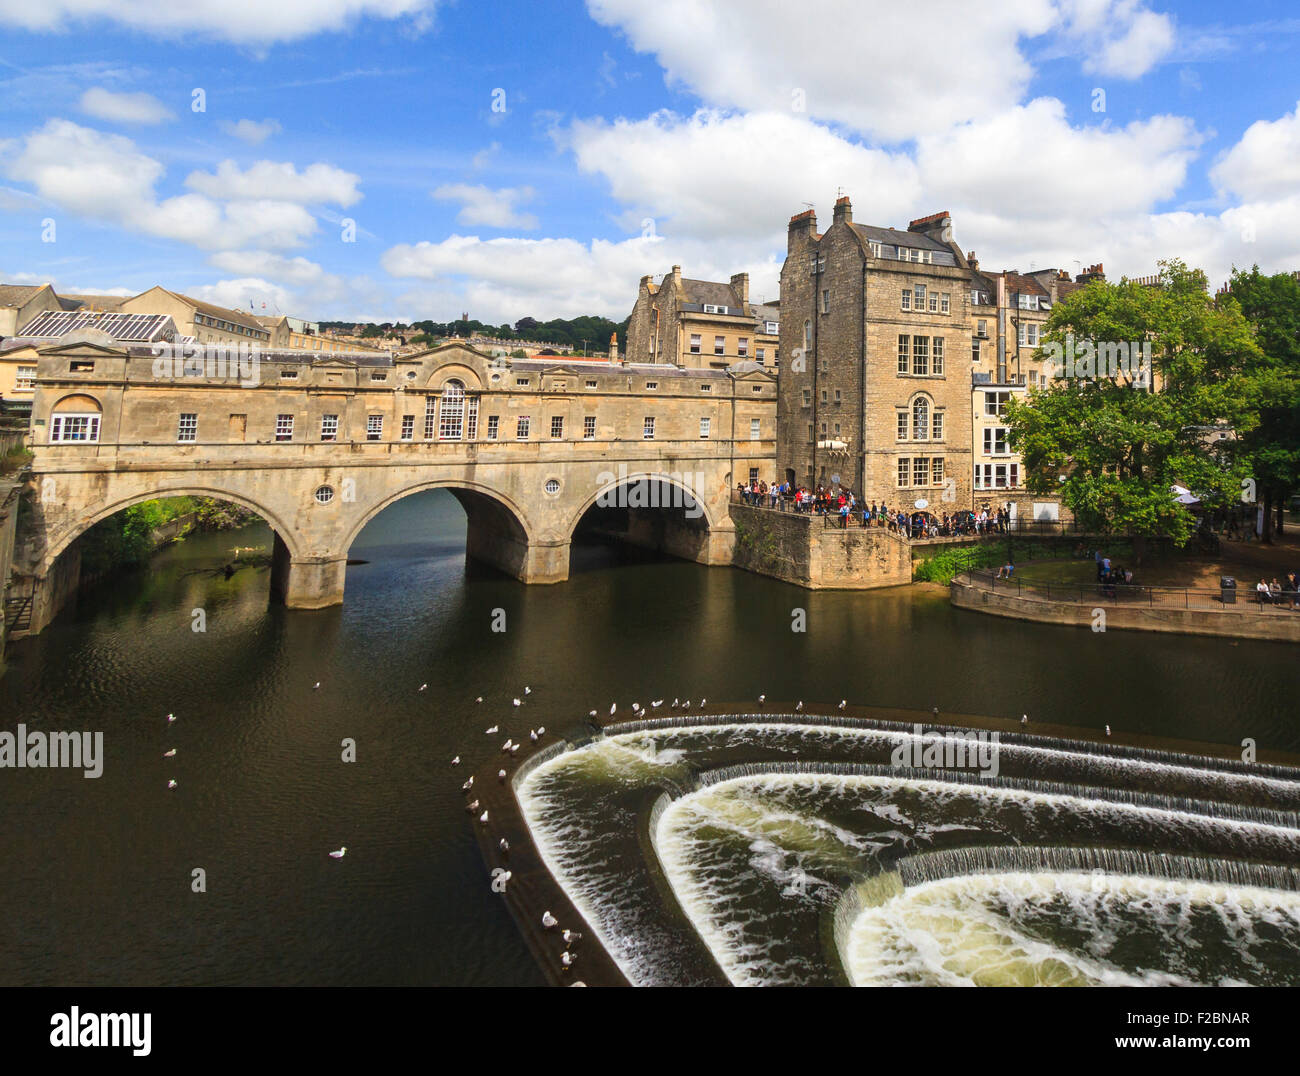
(745, 908)
(1071, 929)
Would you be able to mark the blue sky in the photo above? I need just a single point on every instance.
(634, 136)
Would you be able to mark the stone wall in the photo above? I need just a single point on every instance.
(802, 549)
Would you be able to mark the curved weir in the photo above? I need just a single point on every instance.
(706, 849)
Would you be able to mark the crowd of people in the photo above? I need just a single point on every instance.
(844, 506)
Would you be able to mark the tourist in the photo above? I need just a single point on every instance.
(1262, 593)
(1005, 571)
(1293, 588)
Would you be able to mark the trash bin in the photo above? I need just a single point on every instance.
(1228, 590)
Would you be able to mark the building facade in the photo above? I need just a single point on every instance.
(702, 324)
(875, 384)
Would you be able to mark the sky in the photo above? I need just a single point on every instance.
(400, 160)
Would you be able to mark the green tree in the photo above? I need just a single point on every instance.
(1111, 446)
(1272, 449)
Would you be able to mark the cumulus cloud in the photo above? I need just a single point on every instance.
(244, 22)
(129, 108)
(482, 206)
(1266, 162)
(317, 184)
(254, 132)
(106, 178)
(1119, 38)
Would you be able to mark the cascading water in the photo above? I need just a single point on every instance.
(717, 849)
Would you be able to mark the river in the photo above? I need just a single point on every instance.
(97, 878)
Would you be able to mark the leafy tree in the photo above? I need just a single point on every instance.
(1112, 447)
(1272, 449)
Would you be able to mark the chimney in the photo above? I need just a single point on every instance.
(676, 275)
(934, 225)
(1093, 272)
(740, 285)
(974, 261)
(613, 347)
(803, 227)
(843, 210)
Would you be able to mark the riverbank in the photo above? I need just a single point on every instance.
(982, 594)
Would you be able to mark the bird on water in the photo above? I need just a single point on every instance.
(340, 853)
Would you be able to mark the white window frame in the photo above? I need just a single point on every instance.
(706, 427)
(755, 429)
(284, 427)
(589, 428)
(374, 427)
(648, 428)
(61, 420)
(523, 423)
(25, 379)
(329, 427)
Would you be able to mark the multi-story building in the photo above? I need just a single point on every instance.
(702, 324)
(875, 380)
(19, 303)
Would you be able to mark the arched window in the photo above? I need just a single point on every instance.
(920, 418)
(451, 416)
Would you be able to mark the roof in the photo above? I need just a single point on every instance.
(1025, 284)
(915, 240)
(18, 294)
(249, 321)
(711, 293)
(51, 324)
(92, 302)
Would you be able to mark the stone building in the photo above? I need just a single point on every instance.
(702, 324)
(875, 385)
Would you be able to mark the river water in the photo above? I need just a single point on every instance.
(97, 876)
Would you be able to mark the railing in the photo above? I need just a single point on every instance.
(1134, 595)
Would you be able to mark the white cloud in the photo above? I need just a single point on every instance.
(104, 177)
(880, 68)
(130, 108)
(1266, 162)
(1119, 38)
(317, 184)
(254, 132)
(245, 22)
(482, 206)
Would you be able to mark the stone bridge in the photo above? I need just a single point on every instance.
(318, 446)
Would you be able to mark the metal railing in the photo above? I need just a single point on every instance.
(1135, 595)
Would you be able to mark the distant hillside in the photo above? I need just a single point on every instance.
(587, 332)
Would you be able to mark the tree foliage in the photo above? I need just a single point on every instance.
(1111, 448)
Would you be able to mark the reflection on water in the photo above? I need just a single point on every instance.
(96, 878)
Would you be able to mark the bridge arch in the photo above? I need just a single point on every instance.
(66, 536)
(625, 479)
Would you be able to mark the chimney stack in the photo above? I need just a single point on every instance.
(676, 275)
(740, 285)
(843, 210)
(803, 228)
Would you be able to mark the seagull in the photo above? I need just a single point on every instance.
(171, 784)
(514, 749)
(479, 698)
(612, 708)
(424, 687)
(456, 761)
(501, 776)
(171, 718)
(762, 698)
(517, 702)
(471, 807)
(636, 706)
(675, 704)
(1107, 730)
(317, 685)
(340, 853)
(493, 730)
(468, 784)
(548, 920)
(798, 707)
(483, 818)
(170, 754)
(568, 959)
(843, 703)
(686, 705)
(528, 691)
(655, 704)
(592, 713)
(703, 701)
(541, 730)
(504, 845)
(532, 735)
(570, 936)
